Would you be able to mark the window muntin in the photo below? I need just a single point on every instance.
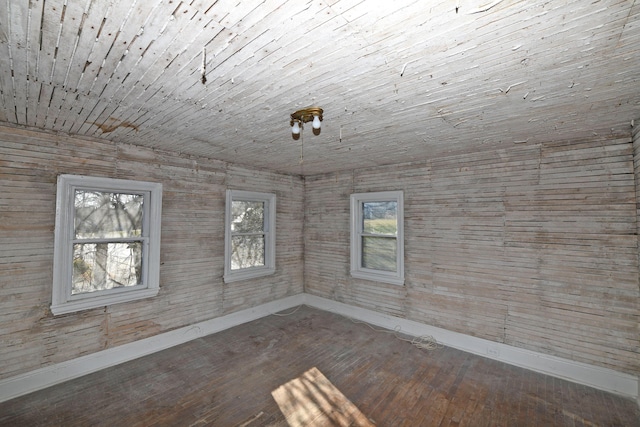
(107, 242)
(249, 235)
(376, 236)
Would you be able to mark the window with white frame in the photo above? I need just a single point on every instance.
(107, 242)
(250, 241)
(377, 241)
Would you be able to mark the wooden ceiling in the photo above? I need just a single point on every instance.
(398, 80)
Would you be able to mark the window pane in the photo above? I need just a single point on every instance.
(100, 266)
(379, 253)
(380, 217)
(247, 251)
(100, 215)
(247, 217)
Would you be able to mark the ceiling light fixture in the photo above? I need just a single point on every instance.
(309, 114)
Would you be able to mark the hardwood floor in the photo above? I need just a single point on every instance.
(227, 379)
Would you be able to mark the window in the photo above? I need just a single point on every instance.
(250, 242)
(107, 242)
(377, 243)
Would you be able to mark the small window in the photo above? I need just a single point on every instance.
(250, 242)
(107, 242)
(377, 242)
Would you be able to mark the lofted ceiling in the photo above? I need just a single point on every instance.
(398, 80)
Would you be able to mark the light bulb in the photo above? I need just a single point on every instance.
(316, 122)
(295, 129)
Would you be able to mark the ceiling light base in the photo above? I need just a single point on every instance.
(306, 115)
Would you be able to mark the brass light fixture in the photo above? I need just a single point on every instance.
(309, 114)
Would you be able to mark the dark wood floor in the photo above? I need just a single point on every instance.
(227, 379)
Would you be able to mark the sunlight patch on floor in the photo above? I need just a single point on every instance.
(311, 400)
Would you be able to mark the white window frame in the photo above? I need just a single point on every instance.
(62, 300)
(269, 267)
(357, 270)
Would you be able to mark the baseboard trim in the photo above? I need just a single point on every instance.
(55, 374)
(593, 376)
(581, 373)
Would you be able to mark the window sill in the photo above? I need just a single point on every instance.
(250, 273)
(101, 301)
(378, 277)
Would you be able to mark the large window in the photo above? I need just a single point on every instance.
(107, 242)
(377, 245)
(250, 242)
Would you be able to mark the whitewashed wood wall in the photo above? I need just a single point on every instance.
(192, 254)
(535, 246)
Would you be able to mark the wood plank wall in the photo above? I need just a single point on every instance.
(191, 288)
(535, 246)
(635, 132)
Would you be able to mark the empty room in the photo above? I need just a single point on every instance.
(318, 213)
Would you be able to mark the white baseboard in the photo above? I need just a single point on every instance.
(600, 378)
(51, 375)
(581, 373)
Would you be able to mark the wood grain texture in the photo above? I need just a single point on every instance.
(398, 81)
(227, 379)
(192, 254)
(311, 400)
(533, 246)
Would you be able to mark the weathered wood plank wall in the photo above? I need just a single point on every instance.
(192, 253)
(534, 246)
(635, 132)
